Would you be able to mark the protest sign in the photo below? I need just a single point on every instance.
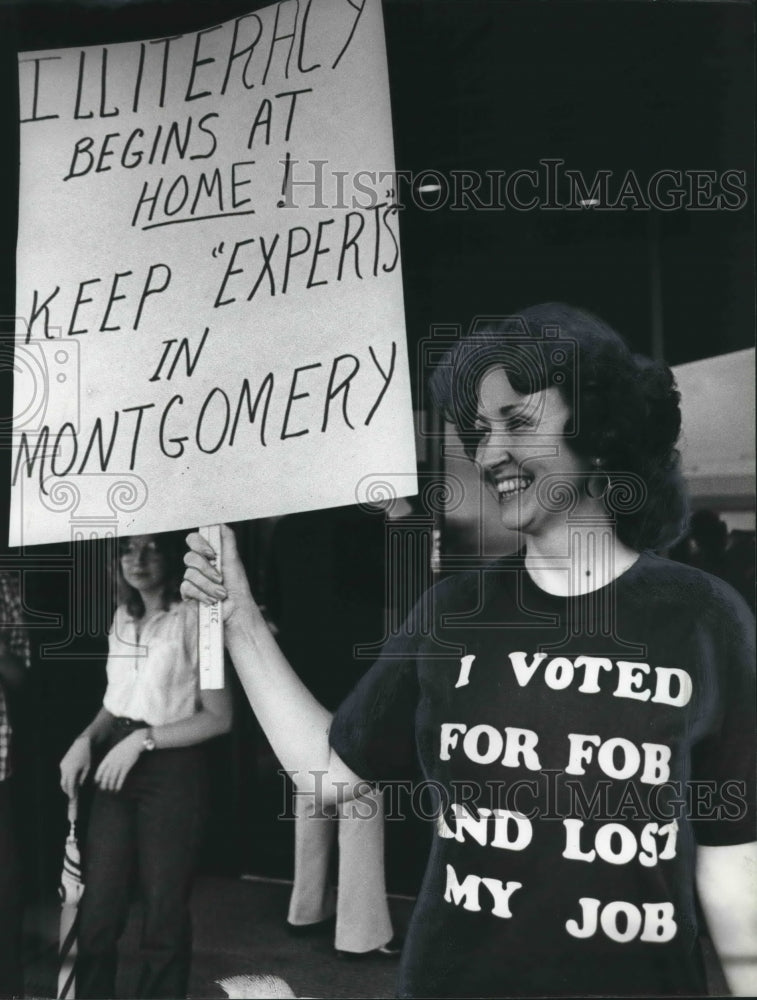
(210, 323)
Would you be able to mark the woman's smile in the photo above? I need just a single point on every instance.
(505, 482)
(522, 444)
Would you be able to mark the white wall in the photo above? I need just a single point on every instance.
(718, 437)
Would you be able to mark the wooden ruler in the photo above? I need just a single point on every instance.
(211, 626)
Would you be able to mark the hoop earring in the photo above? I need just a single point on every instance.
(597, 463)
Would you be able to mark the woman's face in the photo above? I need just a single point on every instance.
(143, 564)
(522, 442)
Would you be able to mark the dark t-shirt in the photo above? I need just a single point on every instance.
(576, 748)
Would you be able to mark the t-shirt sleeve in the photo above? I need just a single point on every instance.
(723, 764)
(373, 730)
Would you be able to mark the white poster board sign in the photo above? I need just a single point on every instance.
(210, 320)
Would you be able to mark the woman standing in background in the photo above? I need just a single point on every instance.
(150, 804)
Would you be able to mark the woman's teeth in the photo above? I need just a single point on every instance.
(508, 487)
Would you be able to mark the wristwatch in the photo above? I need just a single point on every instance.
(148, 743)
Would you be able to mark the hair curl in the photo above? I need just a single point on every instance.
(172, 547)
(625, 408)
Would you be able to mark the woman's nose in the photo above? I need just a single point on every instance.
(494, 449)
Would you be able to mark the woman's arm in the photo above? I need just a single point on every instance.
(296, 724)
(77, 761)
(727, 885)
(213, 719)
(98, 728)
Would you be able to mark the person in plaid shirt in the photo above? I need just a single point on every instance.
(14, 660)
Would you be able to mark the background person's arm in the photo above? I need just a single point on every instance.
(295, 723)
(15, 649)
(12, 667)
(727, 886)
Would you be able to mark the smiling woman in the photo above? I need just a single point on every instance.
(506, 422)
(647, 698)
(556, 390)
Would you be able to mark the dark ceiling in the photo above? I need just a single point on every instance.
(500, 85)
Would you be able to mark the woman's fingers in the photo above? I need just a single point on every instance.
(228, 540)
(197, 561)
(199, 587)
(67, 781)
(107, 774)
(202, 547)
(189, 592)
(203, 582)
(73, 772)
(198, 544)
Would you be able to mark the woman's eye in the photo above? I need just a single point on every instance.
(518, 423)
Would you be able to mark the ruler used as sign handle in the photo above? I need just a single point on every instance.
(211, 625)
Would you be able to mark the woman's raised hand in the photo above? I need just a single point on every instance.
(203, 582)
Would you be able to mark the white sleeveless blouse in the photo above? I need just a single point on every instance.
(157, 679)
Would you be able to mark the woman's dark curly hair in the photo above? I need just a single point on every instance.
(171, 545)
(625, 412)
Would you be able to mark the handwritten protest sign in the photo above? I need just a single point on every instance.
(210, 322)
